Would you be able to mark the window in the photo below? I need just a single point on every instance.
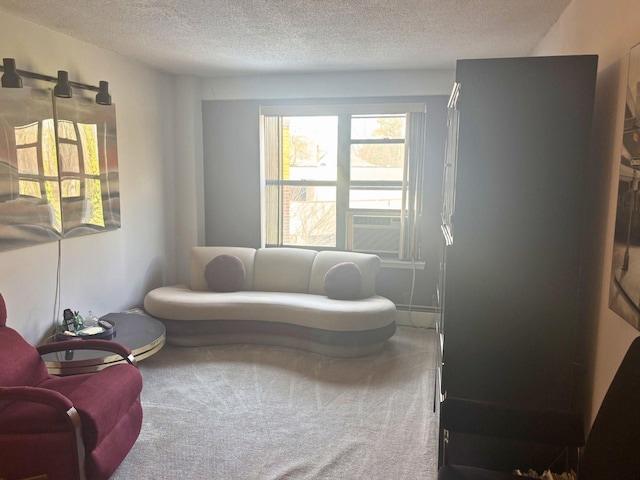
(38, 167)
(79, 164)
(80, 168)
(376, 162)
(325, 166)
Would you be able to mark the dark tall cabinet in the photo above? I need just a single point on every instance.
(514, 196)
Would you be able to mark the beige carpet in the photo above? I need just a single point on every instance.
(265, 413)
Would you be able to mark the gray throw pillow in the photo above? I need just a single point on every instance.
(343, 281)
(225, 273)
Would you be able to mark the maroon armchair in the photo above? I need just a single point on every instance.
(64, 428)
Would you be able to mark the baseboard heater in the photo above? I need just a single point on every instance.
(416, 316)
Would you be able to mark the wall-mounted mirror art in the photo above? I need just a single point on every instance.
(58, 167)
(624, 295)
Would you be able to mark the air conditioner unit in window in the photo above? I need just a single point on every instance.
(373, 233)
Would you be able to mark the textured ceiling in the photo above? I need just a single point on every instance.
(222, 37)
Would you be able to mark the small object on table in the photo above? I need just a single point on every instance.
(90, 331)
(68, 320)
(91, 320)
(79, 322)
(105, 324)
(103, 330)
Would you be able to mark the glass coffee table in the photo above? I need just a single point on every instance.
(142, 334)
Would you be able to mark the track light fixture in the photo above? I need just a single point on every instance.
(10, 78)
(62, 88)
(103, 97)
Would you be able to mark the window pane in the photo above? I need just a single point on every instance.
(375, 199)
(310, 148)
(89, 142)
(70, 188)
(309, 216)
(27, 160)
(370, 127)
(93, 213)
(49, 158)
(66, 129)
(26, 134)
(377, 161)
(31, 189)
(69, 160)
(52, 190)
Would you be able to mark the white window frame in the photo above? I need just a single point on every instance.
(343, 183)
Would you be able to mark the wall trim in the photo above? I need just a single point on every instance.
(415, 318)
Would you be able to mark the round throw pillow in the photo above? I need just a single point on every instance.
(343, 281)
(225, 273)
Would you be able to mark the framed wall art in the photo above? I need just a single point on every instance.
(624, 296)
(58, 167)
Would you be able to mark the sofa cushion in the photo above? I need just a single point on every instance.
(283, 269)
(368, 264)
(201, 256)
(343, 281)
(178, 302)
(225, 273)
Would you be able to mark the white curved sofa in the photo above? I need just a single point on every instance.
(282, 301)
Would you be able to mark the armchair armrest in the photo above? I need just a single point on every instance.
(61, 407)
(488, 419)
(105, 345)
(43, 396)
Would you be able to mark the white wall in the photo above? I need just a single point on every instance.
(329, 85)
(107, 271)
(608, 29)
(187, 174)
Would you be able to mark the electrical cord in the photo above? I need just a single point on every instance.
(56, 301)
(413, 286)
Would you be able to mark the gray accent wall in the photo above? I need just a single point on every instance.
(231, 172)
(232, 183)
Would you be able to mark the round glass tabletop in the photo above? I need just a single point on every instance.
(142, 334)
